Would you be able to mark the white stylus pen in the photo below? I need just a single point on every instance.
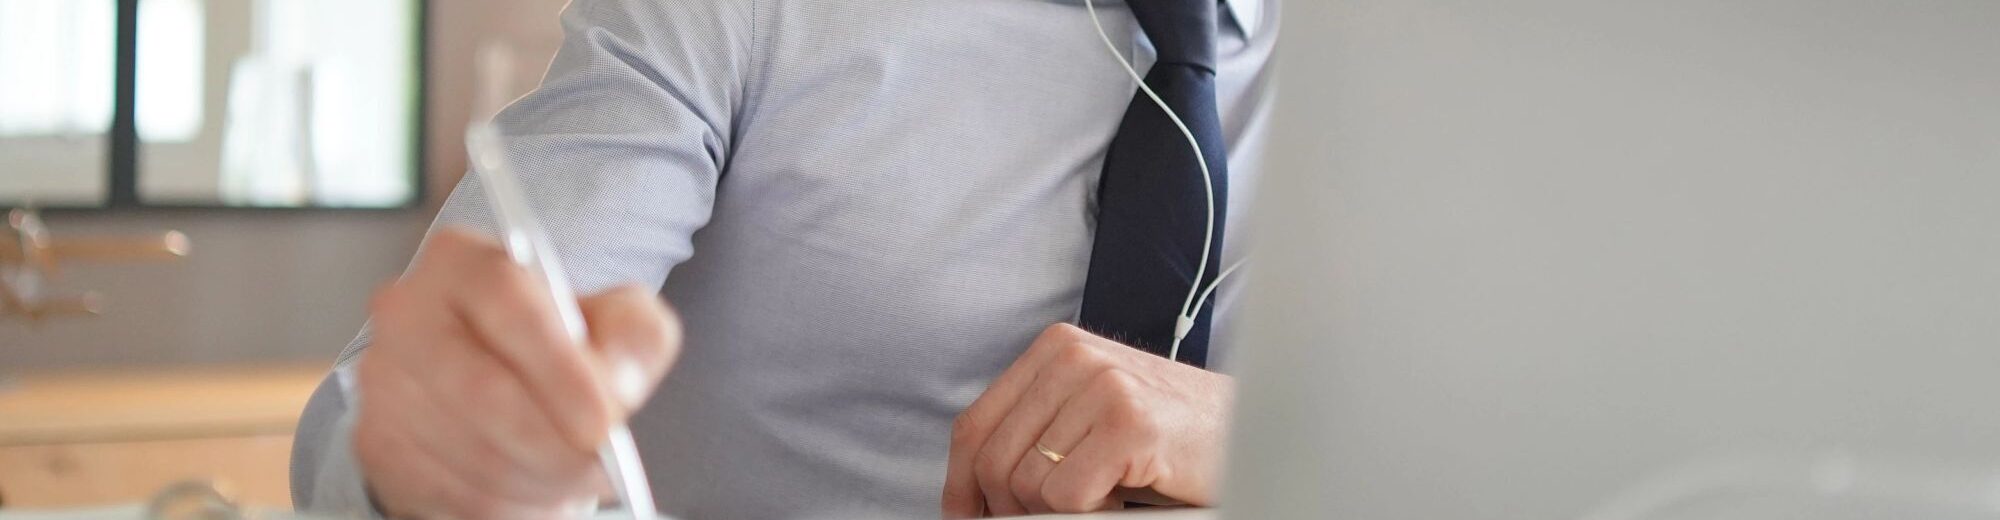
(529, 246)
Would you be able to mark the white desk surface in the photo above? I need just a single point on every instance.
(1161, 514)
(136, 512)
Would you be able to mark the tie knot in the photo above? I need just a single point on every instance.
(1182, 31)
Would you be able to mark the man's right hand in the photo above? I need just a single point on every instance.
(474, 403)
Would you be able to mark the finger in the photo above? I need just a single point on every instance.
(448, 242)
(962, 495)
(396, 468)
(1026, 481)
(513, 316)
(636, 337)
(1015, 381)
(1065, 431)
(414, 452)
(1087, 476)
(1000, 500)
(501, 416)
(441, 260)
(1096, 445)
(460, 498)
(511, 310)
(992, 463)
(961, 492)
(477, 449)
(416, 329)
(1071, 424)
(1013, 440)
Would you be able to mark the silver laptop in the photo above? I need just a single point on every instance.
(1546, 259)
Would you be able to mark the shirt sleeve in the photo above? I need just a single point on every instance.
(619, 152)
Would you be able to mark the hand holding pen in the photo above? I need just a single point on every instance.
(481, 397)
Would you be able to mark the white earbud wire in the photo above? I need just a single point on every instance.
(1184, 321)
(1203, 300)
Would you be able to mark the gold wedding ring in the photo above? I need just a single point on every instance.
(1049, 454)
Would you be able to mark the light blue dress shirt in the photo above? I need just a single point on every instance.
(868, 209)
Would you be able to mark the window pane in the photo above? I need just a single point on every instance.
(277, 102)
(55, 104)
(170, 68)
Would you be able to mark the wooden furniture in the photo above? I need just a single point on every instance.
(99, 437)
(30, 258)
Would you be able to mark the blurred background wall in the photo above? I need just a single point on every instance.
(280, 286)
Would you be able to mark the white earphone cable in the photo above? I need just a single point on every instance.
(1203, 300)
(1183, 321)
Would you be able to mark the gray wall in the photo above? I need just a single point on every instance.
(266, 286)
(1519, 255)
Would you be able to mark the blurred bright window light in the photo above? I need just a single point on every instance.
(56, 56)
(170, 70)
(321, 109)
(285, 103)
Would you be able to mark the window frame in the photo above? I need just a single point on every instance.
(122, 188)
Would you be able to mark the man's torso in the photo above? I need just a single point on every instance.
(907, 202)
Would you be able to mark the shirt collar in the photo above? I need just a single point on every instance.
(1248, 15)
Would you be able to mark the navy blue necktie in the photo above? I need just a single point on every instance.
(1152, 209)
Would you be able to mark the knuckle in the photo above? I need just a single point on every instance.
(460, 239)
(666, 324)
(599, 418)
(387, 299)
(1148, 433)
(1117, 384)
(1024, 486)
(447, 242)
(451, 246)
(989, 468)
(375, 378)
(672, 337)
(1134, 424)
(965, 428)
(484, 387)
(1062, 332)
(575, 369)
(368, 368)
(1081, 355)
(547, 456)
(1067, 500)
(578, 381)
(514, 308)
(1125, 409)
(645, 328)
(614, 302)
(394, 311)
(454, 236)
(1120, 416)
(501, 275)
(369, 447)
(960, 495)
(630, 294)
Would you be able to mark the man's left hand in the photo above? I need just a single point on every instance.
(1123, 422)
